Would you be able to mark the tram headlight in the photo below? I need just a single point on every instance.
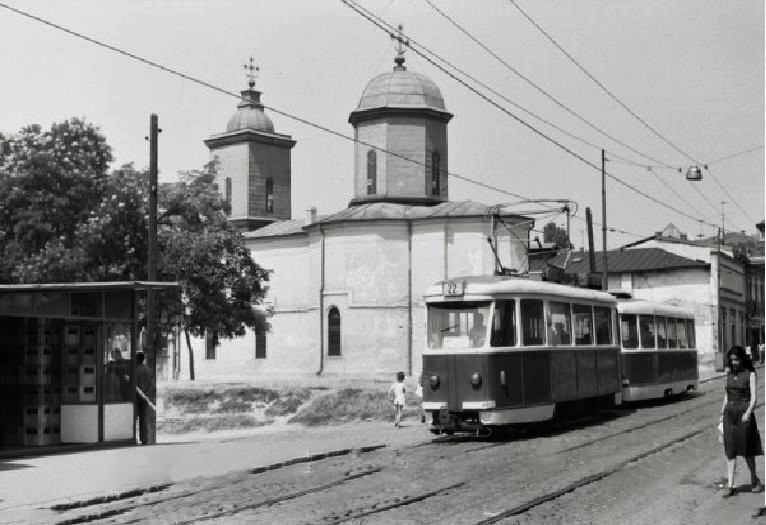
(434, 382)
(476, 380)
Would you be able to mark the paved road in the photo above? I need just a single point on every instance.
(653, 463)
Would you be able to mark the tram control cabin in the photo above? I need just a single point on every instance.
(67, 362)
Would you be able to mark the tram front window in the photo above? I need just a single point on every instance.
(457, 324)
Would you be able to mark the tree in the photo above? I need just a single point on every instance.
(49, 180)
(552, 233)
(64, 218)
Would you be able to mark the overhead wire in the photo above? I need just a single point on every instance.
(388, 28)
(239, 97)
(625, 107)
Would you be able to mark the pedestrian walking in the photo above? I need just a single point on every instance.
(740, 431)
(144, 391)
(396, 395)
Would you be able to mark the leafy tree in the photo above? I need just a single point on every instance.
(552, 233)
(64, 218)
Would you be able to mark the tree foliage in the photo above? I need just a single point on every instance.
(552, 233)
(65, 217)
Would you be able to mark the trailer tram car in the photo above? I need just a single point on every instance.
(659, 355)
(508, 352)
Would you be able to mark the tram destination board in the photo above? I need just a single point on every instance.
(453, 288)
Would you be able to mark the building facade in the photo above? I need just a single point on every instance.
(346, 289)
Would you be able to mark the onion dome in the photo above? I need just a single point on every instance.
(250, 114)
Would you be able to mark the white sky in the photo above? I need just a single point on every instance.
(693, 69)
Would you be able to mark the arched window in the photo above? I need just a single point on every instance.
(435, 172)
(269, 195)
(372, 170)
(333, 331)
(228, 193)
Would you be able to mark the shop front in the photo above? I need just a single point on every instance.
(67, 362)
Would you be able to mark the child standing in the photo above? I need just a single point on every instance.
(396, 395)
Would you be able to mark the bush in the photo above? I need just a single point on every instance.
(233, 405)
(346, 405)
(282, 407)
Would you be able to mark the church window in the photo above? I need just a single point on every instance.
(211, 343)
(435, 172)
(269, 195)
(333, 332)
(260, 344)
(228, 193)
(372, 170)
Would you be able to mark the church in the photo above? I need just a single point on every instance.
(346, 289)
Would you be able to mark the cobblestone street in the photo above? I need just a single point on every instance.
(651, 463)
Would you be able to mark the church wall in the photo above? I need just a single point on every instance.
(371, 132)
(268, 160)
(233, 160)
(406, 136)
(436, 140)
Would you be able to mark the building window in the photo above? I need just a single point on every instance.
(228, 193)
(372, 170)
(435, 172)
(260, 344)
(269, 195)
(211, 343)
(333, 332)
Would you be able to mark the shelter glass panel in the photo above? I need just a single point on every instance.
(117, 363)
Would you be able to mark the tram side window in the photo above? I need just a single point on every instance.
(646, 328)
(628, 331)
(681, 333)
(672, 336)
(690, 336)
(504, 324)
(583, 324)
(662, 335)
(602, 316)
(532, 322)
(560, 325)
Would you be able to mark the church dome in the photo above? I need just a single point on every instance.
(250, 114)
(401, 88)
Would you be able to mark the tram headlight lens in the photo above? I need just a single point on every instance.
(434, 382)
(476, 380)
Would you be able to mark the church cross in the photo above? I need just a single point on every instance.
(399, 37)
(252, 72)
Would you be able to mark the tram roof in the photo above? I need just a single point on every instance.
(476, 287)
(640, 306)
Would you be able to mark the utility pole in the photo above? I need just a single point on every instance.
(150, 351)
(568, 210)
(723, 223)
(604, 272)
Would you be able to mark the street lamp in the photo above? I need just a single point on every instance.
(694, 173)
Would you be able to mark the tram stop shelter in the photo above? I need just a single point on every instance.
(67, 363)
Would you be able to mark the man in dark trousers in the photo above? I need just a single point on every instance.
(144, 392)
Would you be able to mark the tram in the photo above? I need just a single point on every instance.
(505, 352)
(658, 350)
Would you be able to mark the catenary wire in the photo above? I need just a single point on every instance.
(388, 29)
(626, 108)
(271, 108)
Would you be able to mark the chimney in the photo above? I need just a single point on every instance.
(311, 215)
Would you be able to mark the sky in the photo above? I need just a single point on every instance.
(691, 70)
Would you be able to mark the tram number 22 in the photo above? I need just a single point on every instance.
(453, 287)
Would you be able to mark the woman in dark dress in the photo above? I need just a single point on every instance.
(740, 432)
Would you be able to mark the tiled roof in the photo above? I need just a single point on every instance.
(620, 261)
(380, 211)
